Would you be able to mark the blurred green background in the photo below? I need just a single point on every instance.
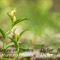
(43, 15)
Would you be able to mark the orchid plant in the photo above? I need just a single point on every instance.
(13, 35)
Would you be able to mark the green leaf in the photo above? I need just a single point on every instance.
(3, 33)
(22, 33)
(18, 21)
(15, 43)
(9, 45)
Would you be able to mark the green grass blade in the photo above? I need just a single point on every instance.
(3, 33)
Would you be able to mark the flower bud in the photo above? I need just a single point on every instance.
(13, 15)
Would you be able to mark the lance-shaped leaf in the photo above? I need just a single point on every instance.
(19, 20)
(9, 45)
(3, 33)
(22, 34)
